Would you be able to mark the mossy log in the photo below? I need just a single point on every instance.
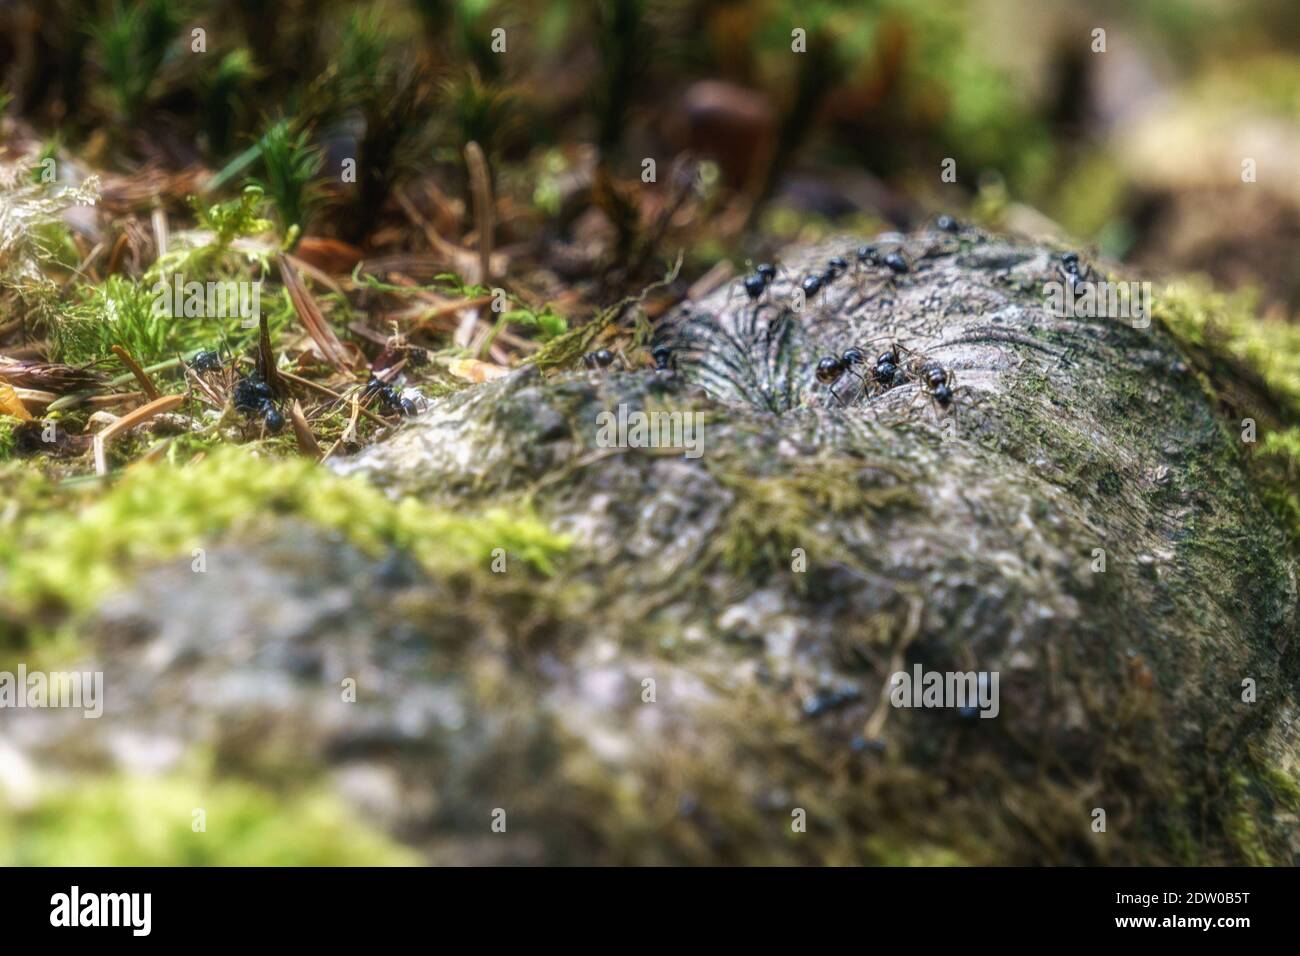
(704, 676)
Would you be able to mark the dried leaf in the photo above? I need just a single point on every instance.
(11, 404)
(266, 359)
(328, 255)
(472, 370)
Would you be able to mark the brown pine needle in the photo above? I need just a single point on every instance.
(146, 383)
(302, 431)
(312, 317)
(481, 186)
(129, 421)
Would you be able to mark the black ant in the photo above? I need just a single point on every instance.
(1072, 270)
(867, 256)
(831, 369)
(896, 263)
(601, 358)
(938, 382)
(254, 398)
(755, 285)
(209, 360)
(391, 397)
(889, 370)
(947, 224)
(663, 357)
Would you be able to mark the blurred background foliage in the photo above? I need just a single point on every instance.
(1136, 149)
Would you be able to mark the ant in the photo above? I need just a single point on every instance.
(889, 370)
(946, 223)
(209, 360)
(896, 263)
(663, 357)
(938, 382)
(601, 358)
(755, 285)
(391, 397)
(1072, 270)
(831, 369)
(253, 397)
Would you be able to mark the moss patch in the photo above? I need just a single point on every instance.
(63, 553)
(1252, 366)
(136, 821)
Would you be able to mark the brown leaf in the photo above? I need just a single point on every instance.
(266, 359)
(472, 370)
(11, 404)
(328, 255)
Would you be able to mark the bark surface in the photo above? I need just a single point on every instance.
(713, 656)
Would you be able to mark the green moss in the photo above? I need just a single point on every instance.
(1224, 334)
(119, 312)
(1278, 459)
(137, 821)
(1226, 326)
(8, 443)
(68, 556)
(1242, 824)
(773, 515)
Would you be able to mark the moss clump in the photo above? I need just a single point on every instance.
(8, 441)
(1227, 327)
(61, 556)
(1279, 458)
(1232, 345)
(119, 312)
(773, 515)
(135, 821)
